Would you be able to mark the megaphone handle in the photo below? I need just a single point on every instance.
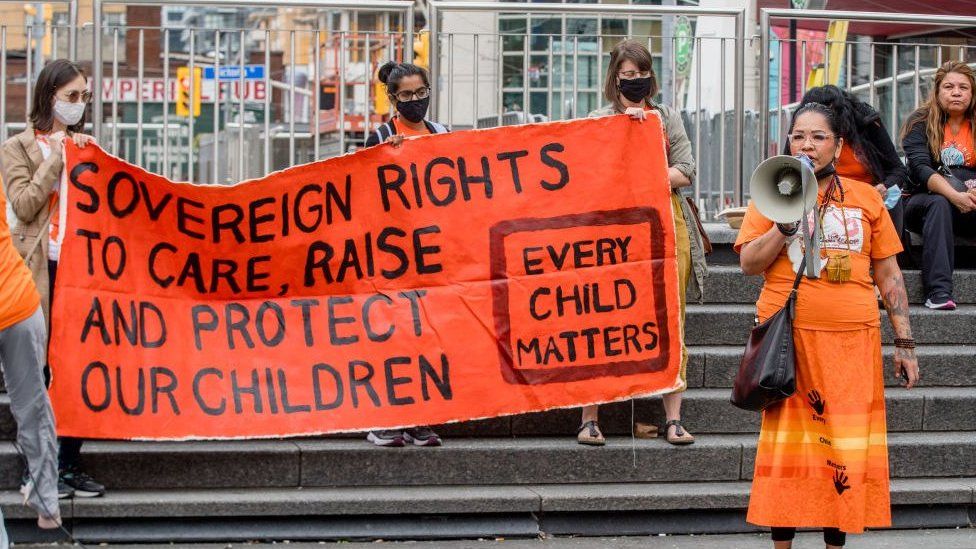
(810, 241)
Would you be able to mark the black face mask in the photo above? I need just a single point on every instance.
(415, 110)
(635, 89)
(827, 171)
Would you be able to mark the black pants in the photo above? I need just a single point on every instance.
(69, 451)
(938, 221)
(832, 536)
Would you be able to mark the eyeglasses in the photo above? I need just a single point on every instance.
(406, 95)
(630, 75)
(74, 96)
(817, 138)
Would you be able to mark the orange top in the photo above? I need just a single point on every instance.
(18, 296)
(957, 149)
(850, 167)
(405, 131)
(824, 305)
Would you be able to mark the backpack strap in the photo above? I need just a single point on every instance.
(434, 127)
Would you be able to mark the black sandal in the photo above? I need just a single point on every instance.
(681, 436)
(590, 435)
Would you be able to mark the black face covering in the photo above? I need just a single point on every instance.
(827, 171)
(415, 110)
(635, 89)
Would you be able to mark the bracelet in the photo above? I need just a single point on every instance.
(788, 232)
(904, 343)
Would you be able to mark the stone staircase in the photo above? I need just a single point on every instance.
(525, 475)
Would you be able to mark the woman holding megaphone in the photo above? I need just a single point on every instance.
(822, 457)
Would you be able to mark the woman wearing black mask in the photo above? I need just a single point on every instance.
(408, 87)
(630, 87)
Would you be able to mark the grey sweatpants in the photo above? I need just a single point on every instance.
(23, 352)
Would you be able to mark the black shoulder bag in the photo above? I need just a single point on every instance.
(767, 374)
(960, 177)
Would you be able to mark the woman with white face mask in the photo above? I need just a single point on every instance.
(34, 179)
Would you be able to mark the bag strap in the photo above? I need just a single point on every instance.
(44, 234)
(799, 276)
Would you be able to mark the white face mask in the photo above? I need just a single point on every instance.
(67, 113)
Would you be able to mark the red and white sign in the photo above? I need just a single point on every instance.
(154, 90)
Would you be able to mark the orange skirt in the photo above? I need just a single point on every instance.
(822, 458)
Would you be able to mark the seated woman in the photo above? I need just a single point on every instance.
(822, 456)
(868, 154)
(937, 138)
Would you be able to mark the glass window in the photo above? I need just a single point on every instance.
(515, 27)
(541, 28)
(539, 103)
(512, 71)
(613, 27)
(583, 30)
(512, 101)
(587, 77)
(539, 71)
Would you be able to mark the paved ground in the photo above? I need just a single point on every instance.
(912, 539)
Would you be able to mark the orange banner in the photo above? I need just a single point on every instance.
(461, 276)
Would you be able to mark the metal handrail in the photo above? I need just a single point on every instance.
(403, 6)
(435, 7)
(72, 50)
(72, 23)
(824, 15)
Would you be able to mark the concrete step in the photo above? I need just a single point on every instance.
(432, 512)
(729, 324)
(727, 284)
(494, 461)
(707, 411)
(715, 366)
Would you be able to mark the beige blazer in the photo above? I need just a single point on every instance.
(28, 180)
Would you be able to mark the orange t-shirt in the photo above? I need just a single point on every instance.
(850, 167)
(824, 305)
(957, 149)
(405, 131)
(18, 296)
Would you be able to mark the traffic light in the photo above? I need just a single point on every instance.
(183, 93)
(421, 49)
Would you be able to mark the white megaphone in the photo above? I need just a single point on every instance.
(784, 189)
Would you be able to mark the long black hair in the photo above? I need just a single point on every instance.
(850, 117)
(391, 73)
(53, 77)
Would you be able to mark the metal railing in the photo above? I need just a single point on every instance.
(874, 82)
(404, 7)
(70, 28)
(443, 40)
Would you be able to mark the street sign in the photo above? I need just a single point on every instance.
(684, 41)
(127, 89)
(231, 73)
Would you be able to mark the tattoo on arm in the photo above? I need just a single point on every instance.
(896, 302)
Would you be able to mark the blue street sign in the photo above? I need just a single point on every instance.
(233, 72)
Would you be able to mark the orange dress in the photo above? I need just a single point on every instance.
(822, 456)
